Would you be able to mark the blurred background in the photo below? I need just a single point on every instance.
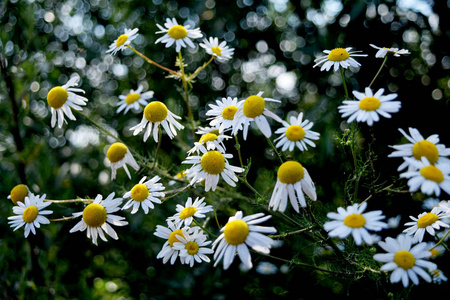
(43, 43)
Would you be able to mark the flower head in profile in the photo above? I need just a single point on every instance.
(369, 106)
(134, 99)
(266, 268)
(354, 221)
(223, 112)
(18, 193)
(176, 34)
(185, 214)
(383, 51)
(338, 57)
(405, 262)
(62, 99)
(123, 40)
(240, 233)
(192, 246)
(204, 130)
(30, 213)
(119, 156)
(292, 181)
(144, 194)
(296, 133)
(436, 250)
(155, 114)
(220, 51)
(211, 141)
(428, 222)
(438, 276)
(171, 234)
(97, 217)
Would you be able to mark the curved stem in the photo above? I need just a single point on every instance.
(186, 92)
(275, 150)
(343, 82)
(193, 75)
(379, 70)
(153, 62)
(204, 229)
(70, 201)
(157, 147)
(62, 219)
(238, 148)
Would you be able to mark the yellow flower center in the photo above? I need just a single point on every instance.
(187, 212)
(18, 193)
(290, 172)
(209, 137)
(355, 221)
(57, 97)
(432, 173)
(173, 238)
(155, 112)
(181, 174)
(229, 112)
(295, 133)
(338, 54)
(427, 149)
(213, 162)
(139, 192)
(236, 232)
(435, 273)
(121, 40)
(369, 104)
(30, 214)
(131, 98)
(94, 215)
(253, 106)
(434, 252)
(116, 152)
(192, 248)
(216, 50)
(404, 259)
(177, 32)
(427, 220)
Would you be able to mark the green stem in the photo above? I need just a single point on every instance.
(186, 93)
(275, 150)
(153, 62)
(238, 148)
(70, 201)
(62, 219)
(204, 229)
(291, 233)
(343, 82)
(157, 147)
(379, 70)
(193, 75)
(441, 240)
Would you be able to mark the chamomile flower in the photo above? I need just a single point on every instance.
(266, 268)
(62, 99)
(296, 133)
(170, 234)
(292, 181)
(254, 109)
(221, 51)
(353, 221)
(144, 194)
(338, 57)
(192, 246)
(211, 141)
(383, 51)
(240, 233)
(119, 155)
(155, 114)
(369, 106)
(18, 193)
(210, 166)
(426, 222)
(134, 99)
(394, 222)
(405, 262)
(429, 147)
(438, 276)
(123, 40)
(430, 203)
(177, 34)
(30, 213)
(430, 179)
(185, 214)
(204, 130)
(97, 217)
(436, 250)
(223, 112)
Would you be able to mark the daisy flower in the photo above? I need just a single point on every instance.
(429, 147)
(61, 100)
(240, 233)
(30, 213)
(381, 53)
(220, 51)
(212, 141)
(156, 113)
(338, 57)
(119, 155)
(134, 100)
(254, 109)
(222, 114)
(177, 34)
(436, 250)
(18, 193)
(353, 221)
(192, 246)
(405, 262)
(429, 178)
(144, 194)
(210, 166)
(296, 133)
(430, 203)
(170, 234)
(369, 106)
(266, 268)
(123, 40)
(292, 180)
(190, 210)
(426, 222)
(438, 276)
(97, 217)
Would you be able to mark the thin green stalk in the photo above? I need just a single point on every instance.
(343, 82)
(186, 93)
(238, 148)
(204, 229)
(379, 70)
(70, 200)
(153, 62)
(157, 147)
(275, 150)
(441, 240)
(62, 219)
(291, 232)
(193, 75)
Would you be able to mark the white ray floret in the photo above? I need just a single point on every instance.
(176, 34)
(338, 57)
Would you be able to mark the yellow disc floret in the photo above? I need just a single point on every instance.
(173, 238)
(209, 137)
(290, 172)
(253, 106)
(355, 221)
(427, 220)
(94, 215)
(192, 248)
(216, 50)
(57, 97)
(338, 54)
(30, 214)
(369, 104)
(155, 112)
(177, 32)
(236, 232)
(121, 40)
(187, 212)
(229, 112)
(213, 162)
(116, 152)
(139, 192)
(18, 193)
(131, 98)
(295, 133)
(432, 173)
(404, 259)
(427, 149)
